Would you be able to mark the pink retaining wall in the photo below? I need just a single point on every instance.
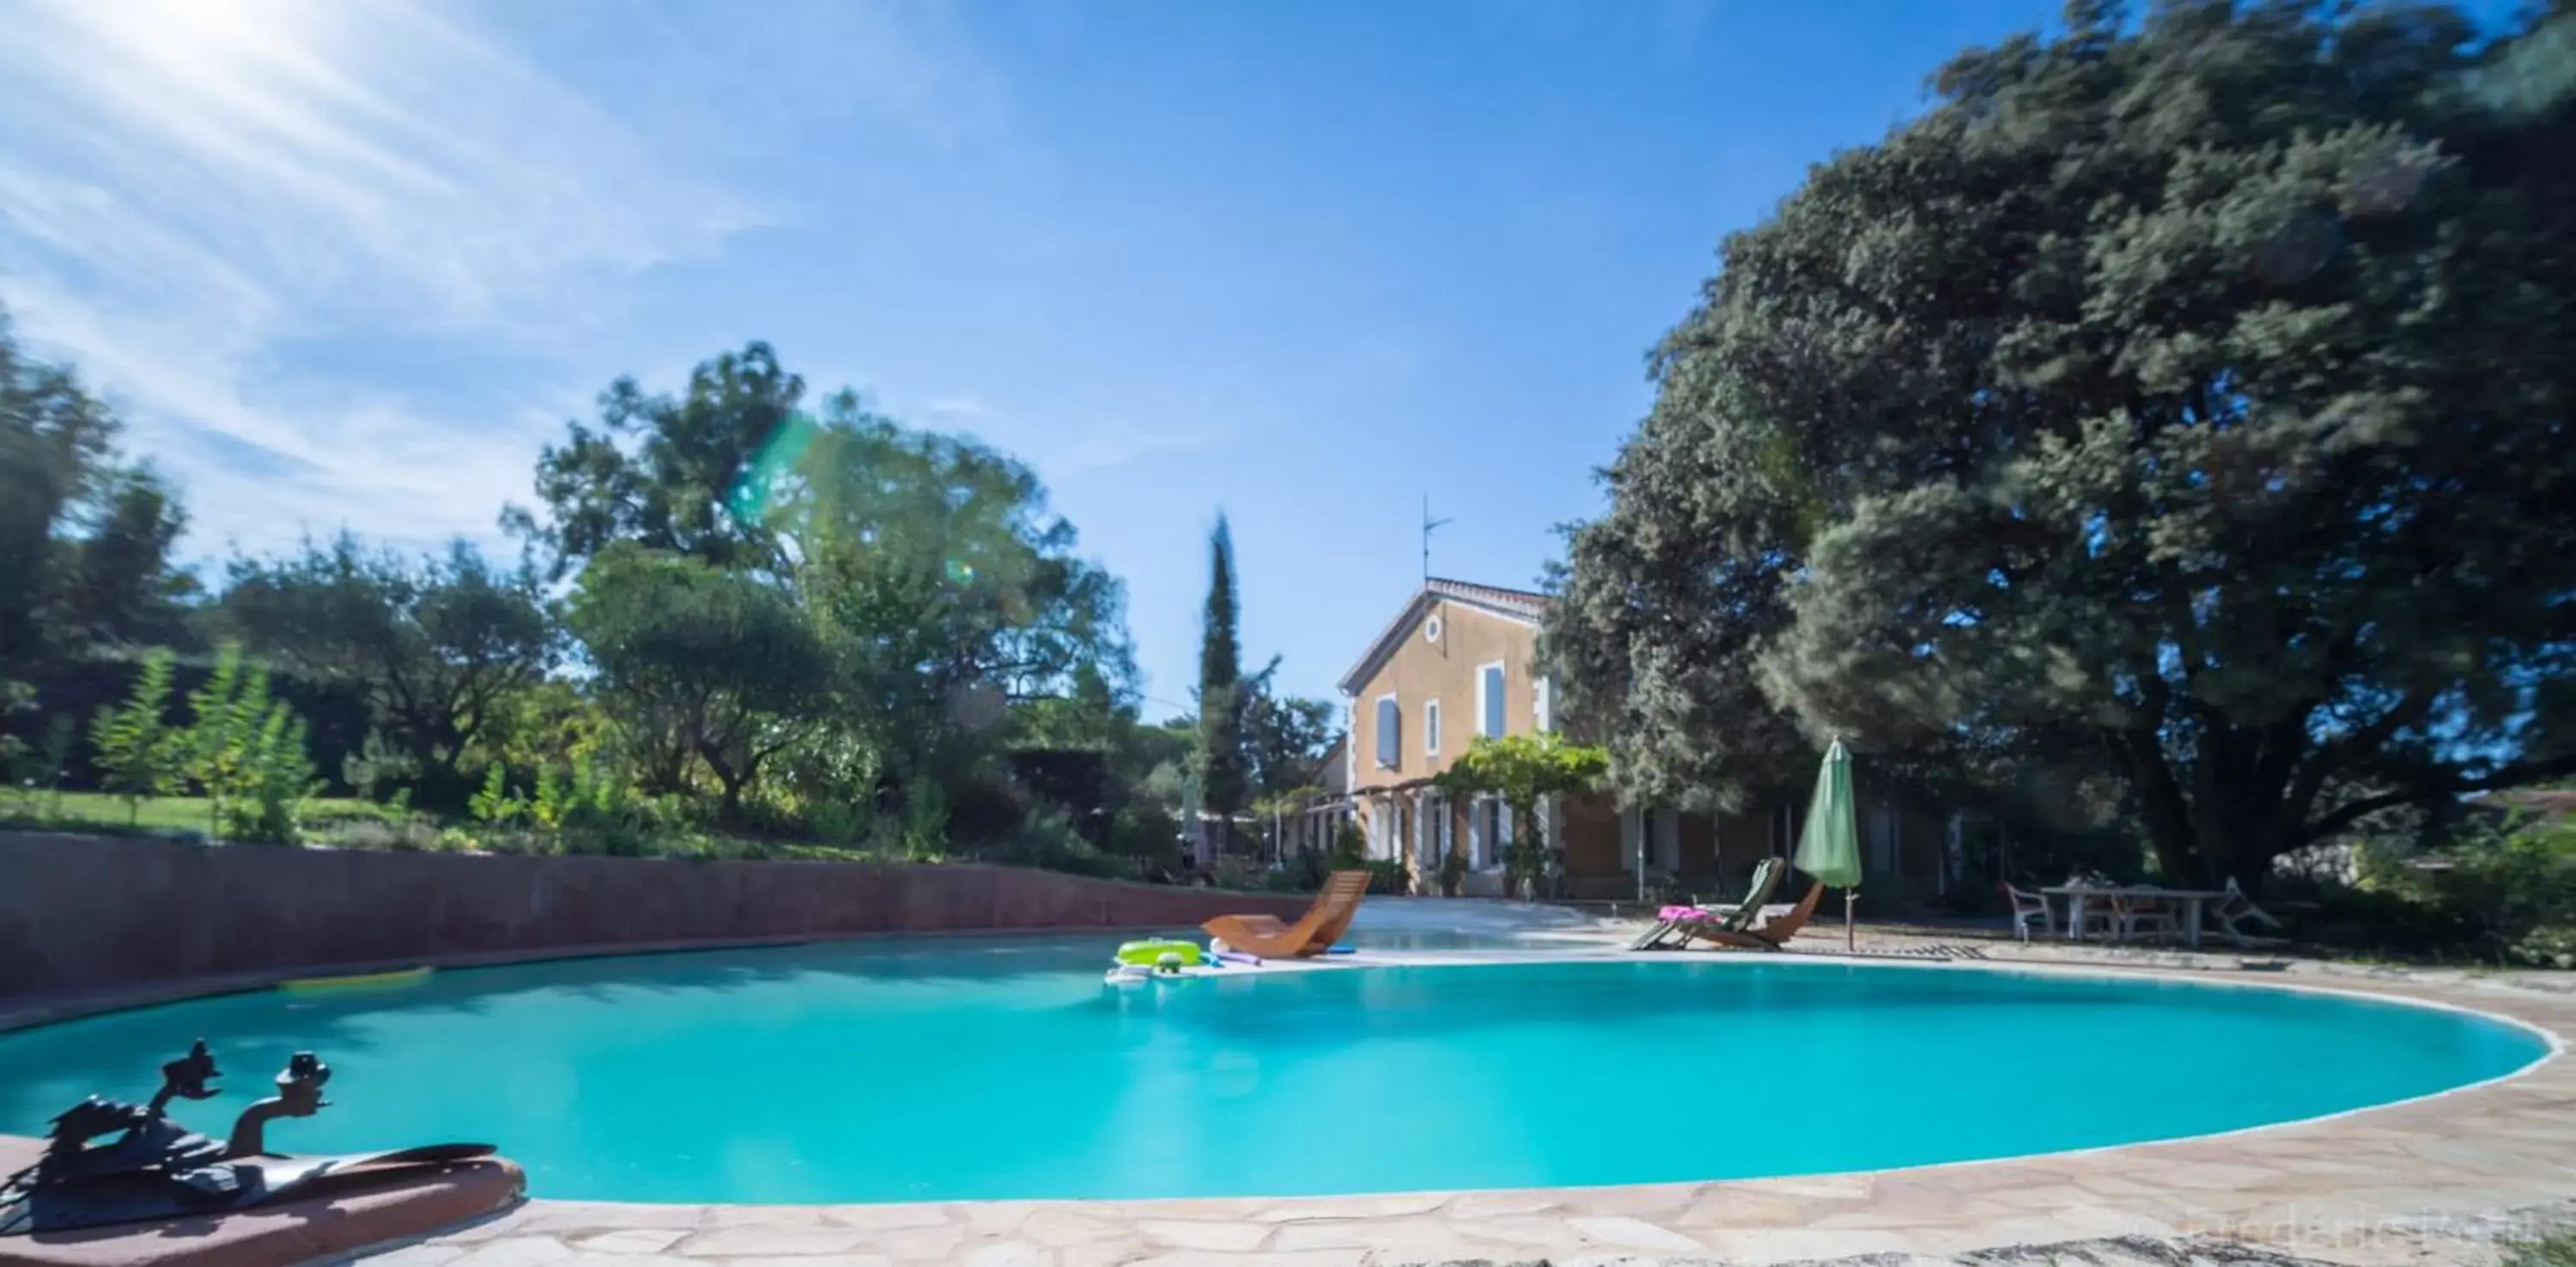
(105, 914)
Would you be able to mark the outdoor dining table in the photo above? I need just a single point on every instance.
(2193, 902)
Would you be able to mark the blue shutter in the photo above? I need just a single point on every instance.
(1493, 701)
(1388, 719)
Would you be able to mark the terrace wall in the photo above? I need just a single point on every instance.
(102, 915)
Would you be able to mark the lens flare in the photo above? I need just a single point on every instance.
(779, 457)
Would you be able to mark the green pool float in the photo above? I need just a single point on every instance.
(1150, 952)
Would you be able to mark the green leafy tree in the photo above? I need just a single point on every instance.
(494, 804)
(1284, 736)
(950, 599)
(56, 449)
(1088, 716)
(279, 780)
(441, 646)
(246, 752)
(711, 669)
(138, 750)
(1523, 769)
(941, 597)
(215, 740)
(552, 800)
(1223, 767)
(17, 701)
(2190, 395)
(115, 582)
(697, 474)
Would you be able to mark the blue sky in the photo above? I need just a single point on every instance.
(352, 263)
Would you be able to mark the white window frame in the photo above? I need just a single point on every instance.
(1431, 728)
(1377, 743)
(1484, 708)
(1431, 830)
(1489, 833)
(1543, 704)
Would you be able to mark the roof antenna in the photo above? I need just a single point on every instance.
(1429, 524)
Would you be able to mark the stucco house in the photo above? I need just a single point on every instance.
(1461, 660)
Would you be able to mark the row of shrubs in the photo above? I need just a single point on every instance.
(2500, 891)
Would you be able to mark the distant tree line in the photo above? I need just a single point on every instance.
(734, 609)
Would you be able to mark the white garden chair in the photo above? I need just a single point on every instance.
(2029, 909)
(2232, 912)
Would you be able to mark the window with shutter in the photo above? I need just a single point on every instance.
(1489, 700)
(1389, 722)
(1431, 729)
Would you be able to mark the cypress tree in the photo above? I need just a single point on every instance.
(1220, 746)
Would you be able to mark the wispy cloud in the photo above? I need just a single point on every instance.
(187, 187)
(1108, 446)
(1057, 446)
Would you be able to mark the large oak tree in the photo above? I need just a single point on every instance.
(2191, 393)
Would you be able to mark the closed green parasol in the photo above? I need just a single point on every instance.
(1829, 848)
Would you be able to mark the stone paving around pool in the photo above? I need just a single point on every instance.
(2440, 1180)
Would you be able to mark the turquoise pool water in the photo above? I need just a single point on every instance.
(965, 1069)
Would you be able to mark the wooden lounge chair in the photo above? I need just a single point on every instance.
(1760, 934)
(1312, 934)
(1674, 933)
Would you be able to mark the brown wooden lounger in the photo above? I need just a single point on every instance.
(1675, 933)
(1312, 934)
(1767, 934)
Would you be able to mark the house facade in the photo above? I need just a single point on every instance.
(1460, 660)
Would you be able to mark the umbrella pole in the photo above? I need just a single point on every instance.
(1848, 936)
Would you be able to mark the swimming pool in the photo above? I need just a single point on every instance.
(969, 1069)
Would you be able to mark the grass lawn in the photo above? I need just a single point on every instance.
(2552, 1251)
(157, 813)
(350, 823)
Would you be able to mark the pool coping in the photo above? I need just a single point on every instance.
(2367, 1182)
